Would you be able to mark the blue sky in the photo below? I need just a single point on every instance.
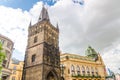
(28, 4)
(23, 4)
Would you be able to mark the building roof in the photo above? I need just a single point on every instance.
(75, 56)
(44, 14)
(6, 38)
(15, 61)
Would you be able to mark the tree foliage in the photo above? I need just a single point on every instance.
(2, 54)
(2, 57)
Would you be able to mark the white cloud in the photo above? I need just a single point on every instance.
(111, 58)
(14, 24)
(96, 24)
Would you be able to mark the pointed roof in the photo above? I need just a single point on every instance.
(44, 14)
(57, 26)
(30, 24)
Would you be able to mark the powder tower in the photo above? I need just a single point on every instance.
(42, 57)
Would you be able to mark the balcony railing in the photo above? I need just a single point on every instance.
(85, 76)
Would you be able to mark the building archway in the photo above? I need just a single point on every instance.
(52, 76)
(62, 78)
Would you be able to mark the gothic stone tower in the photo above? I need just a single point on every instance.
(42, 58)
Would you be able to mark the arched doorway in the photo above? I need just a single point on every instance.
(62, 78)
(51, 76)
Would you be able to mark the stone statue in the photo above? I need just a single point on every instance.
(90, 52)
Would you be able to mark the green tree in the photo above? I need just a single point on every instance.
(2, 57)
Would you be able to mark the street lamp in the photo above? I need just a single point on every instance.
(62, 67)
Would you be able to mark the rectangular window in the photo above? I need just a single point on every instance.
(2, 41)
(4, 63)
(68, 71)
(14, 68)
(13, 78)
(14, 72)
(9, 45)
(33, 58)
(35, 39)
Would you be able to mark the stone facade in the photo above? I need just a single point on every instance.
(42, 58)
(8, 48)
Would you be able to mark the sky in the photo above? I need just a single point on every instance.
(22, 4)
(91, 22)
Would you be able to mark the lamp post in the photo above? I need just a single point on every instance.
(62, 67)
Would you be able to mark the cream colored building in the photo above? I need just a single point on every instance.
(16, 68)
(117, 76)
(8, 48)
(76, 67)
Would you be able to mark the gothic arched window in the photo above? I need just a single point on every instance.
(78, 70)
(72, 70)
(92, 71)
(83, 70)
(96, 71)
(88, 71)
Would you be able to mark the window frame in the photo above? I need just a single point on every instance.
(35, 39)
(33, 58)
(78, 70)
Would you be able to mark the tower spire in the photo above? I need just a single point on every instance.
(44, 14)
(30, 24)
(57, 26)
